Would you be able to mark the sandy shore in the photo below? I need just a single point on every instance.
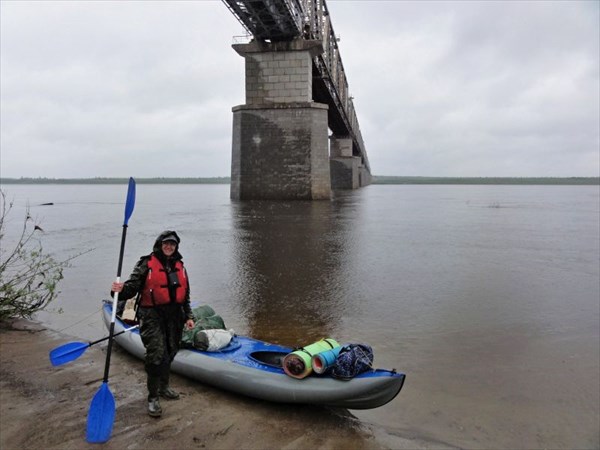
(46, 407)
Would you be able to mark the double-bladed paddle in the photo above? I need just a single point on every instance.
(73, 350)
(101, 414)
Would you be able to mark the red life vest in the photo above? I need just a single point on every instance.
(156, 287)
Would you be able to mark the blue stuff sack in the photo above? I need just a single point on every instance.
(353, 359)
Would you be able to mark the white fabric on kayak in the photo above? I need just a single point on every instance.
(217, 339)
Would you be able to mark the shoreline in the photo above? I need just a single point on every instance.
(46, 407)
(377, 180)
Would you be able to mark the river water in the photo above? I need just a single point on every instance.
(487, 297)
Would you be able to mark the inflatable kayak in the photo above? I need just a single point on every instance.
(254, 368)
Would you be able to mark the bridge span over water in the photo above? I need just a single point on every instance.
(296, 90)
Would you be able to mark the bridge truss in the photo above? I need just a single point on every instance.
(285, 20)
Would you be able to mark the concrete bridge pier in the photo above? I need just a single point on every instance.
(280, 136)
(345, 169)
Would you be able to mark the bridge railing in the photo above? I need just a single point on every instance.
(317, 25)
(276, 20)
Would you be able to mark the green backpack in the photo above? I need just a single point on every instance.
(205, 318)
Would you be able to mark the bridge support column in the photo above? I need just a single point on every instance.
(345, 169)
(365, 177)
(279, 146)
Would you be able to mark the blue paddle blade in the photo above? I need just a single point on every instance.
(130, 202)
(101, 416)
(67, 353)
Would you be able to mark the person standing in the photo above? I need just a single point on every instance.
(164, 309)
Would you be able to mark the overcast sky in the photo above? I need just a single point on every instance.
(145, 88)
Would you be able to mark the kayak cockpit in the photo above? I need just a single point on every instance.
(268, 358)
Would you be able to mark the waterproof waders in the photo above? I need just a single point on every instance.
(154, 408)
(165, 390)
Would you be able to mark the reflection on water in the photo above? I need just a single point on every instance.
(289, 268)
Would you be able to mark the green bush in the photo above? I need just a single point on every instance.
(28, 276)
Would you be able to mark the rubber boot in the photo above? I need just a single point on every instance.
(154, 408)
(165, 390)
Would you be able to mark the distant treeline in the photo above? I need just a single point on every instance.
(100, 180)
(376, 180)
(484, 180)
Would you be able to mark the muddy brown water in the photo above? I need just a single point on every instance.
(487, 297)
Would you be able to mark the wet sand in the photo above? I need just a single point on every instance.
(46, 407)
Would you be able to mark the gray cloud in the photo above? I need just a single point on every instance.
(441, 88)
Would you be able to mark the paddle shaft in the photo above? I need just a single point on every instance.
(101, 415)
(111, 331)
(73, 350)
(114, 335)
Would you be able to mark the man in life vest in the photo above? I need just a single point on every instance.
(161, 281)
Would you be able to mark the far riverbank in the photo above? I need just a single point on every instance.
(578, 181)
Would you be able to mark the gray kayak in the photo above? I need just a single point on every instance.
(253, 368)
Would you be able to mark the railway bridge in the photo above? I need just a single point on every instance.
(296, 91)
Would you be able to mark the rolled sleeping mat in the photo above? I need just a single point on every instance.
(324, 360)
(298, 363)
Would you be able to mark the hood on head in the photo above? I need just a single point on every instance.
(166, 235)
